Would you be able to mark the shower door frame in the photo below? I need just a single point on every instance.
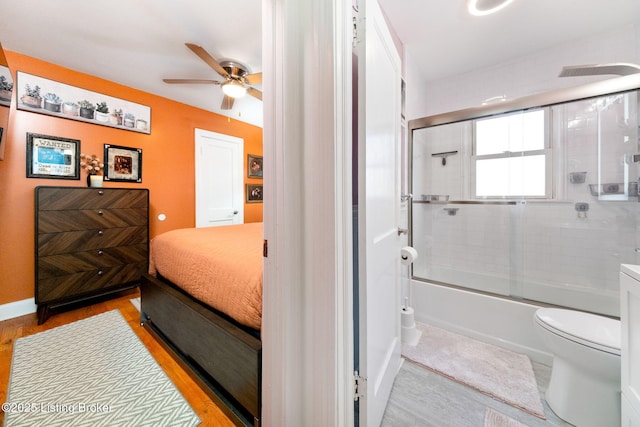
(548, 99)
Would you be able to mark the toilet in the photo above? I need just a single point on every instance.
(584, 389)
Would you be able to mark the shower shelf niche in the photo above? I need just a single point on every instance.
(434, 197)
(614, 189)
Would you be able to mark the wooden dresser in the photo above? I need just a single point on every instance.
(89, 242)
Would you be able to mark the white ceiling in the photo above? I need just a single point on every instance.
(446, 40)
(138, 43)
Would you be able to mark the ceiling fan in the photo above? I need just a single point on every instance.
(237, 79)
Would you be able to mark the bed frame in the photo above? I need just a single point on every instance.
(223, 357)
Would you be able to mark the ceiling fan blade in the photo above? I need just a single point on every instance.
(227, 103)
(254, 79)
(208, 59)
(255, 93)
(192, 81)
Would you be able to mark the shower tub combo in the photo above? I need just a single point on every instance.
(529, 203)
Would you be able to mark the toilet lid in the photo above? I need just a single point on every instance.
(588, 329)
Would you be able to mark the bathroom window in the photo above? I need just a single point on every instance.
(512, 157)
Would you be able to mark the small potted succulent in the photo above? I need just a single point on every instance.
(70, 108)
(86, 109)
(94, 166)
(102, 112)
(31, 97)
(129, 120)
(52, 102)
(141, 124)
(115, 118)
(6, 89)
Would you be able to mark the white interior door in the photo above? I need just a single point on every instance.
(379, 213)
(219, 179)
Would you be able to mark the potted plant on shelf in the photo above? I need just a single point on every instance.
(52, 102)
(141, 124)
(94, 166)
(115, 118)
(129, 120)
(70, 108)
(6, 89)
(102, 112)
(32, 97)
(86, 109)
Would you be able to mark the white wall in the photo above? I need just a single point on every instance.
(519, 77)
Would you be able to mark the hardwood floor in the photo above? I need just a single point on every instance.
(12, 329)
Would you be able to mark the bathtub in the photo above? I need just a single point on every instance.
(500, 321)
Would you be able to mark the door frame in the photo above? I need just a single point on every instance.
(307, 294)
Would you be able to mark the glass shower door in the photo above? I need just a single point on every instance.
(574, 244)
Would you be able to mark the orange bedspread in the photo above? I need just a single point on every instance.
(220, 266)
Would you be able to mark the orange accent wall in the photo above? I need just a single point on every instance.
(168, 164)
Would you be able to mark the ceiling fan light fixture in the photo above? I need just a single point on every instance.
(486, 7)
(234, 89)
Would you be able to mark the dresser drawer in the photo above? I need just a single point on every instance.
(87, 283)
(64, 198)
(71, 220)
(80, 241)
(77, 262)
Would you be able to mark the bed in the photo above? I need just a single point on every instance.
(202, 299)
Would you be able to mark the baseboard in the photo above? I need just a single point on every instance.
(17, 308)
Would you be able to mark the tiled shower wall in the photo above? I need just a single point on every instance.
(542, 250)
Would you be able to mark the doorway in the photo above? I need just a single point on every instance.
(219, 179)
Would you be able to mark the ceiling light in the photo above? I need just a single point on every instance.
(234, 89)
(486, 7)
(494, 100)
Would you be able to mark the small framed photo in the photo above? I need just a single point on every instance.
(52, 157)
(254, 166)
(122, 164)
(254, 193)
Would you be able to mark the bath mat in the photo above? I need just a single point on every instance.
(496, 419)
(494, 371)
(93, 372)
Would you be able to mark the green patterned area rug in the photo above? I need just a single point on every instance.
(93, 372)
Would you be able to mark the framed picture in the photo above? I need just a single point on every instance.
(254, 193)
(122, 164)
(254, 166)
(52, 157)
(40, 95)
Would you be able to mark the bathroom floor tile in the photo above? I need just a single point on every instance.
(422, 398)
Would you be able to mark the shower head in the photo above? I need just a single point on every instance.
(619, 68)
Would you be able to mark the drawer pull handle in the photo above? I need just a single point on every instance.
(101, 252)
(100, 272)
(101, 193)
(100, 213)
(100, 233)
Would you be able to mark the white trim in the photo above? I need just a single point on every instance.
(307, 214)
(18, 308)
